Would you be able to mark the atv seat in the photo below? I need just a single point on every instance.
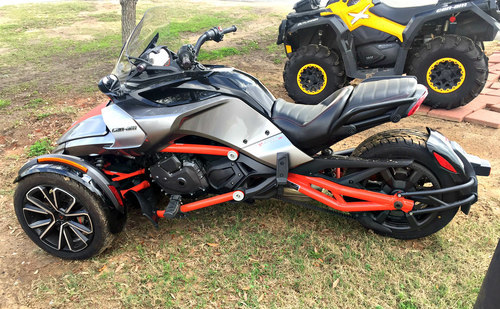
(399, 13)
(308, 126)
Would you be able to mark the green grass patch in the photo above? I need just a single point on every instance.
(40, 147)
(4, 103)
(45, 15)
(36, 103)
(107, 17)
(219, 53)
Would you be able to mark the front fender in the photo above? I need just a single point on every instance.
(343, 40)
(77, 169)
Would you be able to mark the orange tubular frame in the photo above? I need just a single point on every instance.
(199, 149)
(219, 199)
(373, 201)
(122, 176)
(143, 185)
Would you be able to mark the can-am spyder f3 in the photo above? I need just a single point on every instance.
(205, 135)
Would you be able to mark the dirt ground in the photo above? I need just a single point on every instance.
(22, 263)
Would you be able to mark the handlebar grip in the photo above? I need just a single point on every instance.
(229, 30)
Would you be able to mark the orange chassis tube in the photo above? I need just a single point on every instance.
(373, 201)
(370, 201)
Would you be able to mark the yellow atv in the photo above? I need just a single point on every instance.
(440, 42)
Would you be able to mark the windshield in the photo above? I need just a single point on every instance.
(155, 22)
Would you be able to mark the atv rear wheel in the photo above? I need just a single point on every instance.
(62, 217)
(423, 174)
(453, 68)
(313, 73)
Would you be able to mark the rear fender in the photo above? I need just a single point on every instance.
(490, 26)
(467, 167)
(77, 169)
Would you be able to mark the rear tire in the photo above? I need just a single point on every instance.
(423, 174)
(313, 73)
(453, 68)
(62, 217)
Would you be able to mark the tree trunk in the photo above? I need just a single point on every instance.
(128, 18)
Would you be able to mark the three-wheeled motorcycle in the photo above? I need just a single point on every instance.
(178, 136)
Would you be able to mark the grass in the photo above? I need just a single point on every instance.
(40, 147)
(4, 103)
(220, 53)
(273, 255)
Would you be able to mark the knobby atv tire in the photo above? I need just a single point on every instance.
(461, 48)
(97, 210)
(319, 55)
(409, 144)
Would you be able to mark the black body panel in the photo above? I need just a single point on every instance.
(220, 80)
(378, 54)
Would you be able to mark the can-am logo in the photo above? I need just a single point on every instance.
(449, 8)
(131, 128)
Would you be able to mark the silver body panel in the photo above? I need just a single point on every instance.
(93, 126)
(127, 133)
(223, 119)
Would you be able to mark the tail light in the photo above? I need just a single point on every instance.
(418, 104)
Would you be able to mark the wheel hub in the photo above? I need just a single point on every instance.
(57, 218)
(446, 75)
(312, 79)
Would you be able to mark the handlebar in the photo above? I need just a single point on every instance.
(215, 34)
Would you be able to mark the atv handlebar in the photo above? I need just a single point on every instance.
(215, 34)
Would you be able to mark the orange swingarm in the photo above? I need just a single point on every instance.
(372, 201)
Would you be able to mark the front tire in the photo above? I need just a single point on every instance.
(423, 174)
(313, 73)
(453, 68)
(62, 217)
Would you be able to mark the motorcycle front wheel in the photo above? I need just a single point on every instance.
(62, 217)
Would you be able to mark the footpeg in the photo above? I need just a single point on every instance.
(173, 207)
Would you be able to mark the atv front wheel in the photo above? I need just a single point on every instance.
(313, 73)
(453, 68)
(62, 217)
(422, 174)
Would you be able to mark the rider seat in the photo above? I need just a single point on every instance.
(308, 126)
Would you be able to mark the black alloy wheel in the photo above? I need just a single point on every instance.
(399, 180)
(59, 221)
(62, 216)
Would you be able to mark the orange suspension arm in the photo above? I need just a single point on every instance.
(219, 199)
(373, 201)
